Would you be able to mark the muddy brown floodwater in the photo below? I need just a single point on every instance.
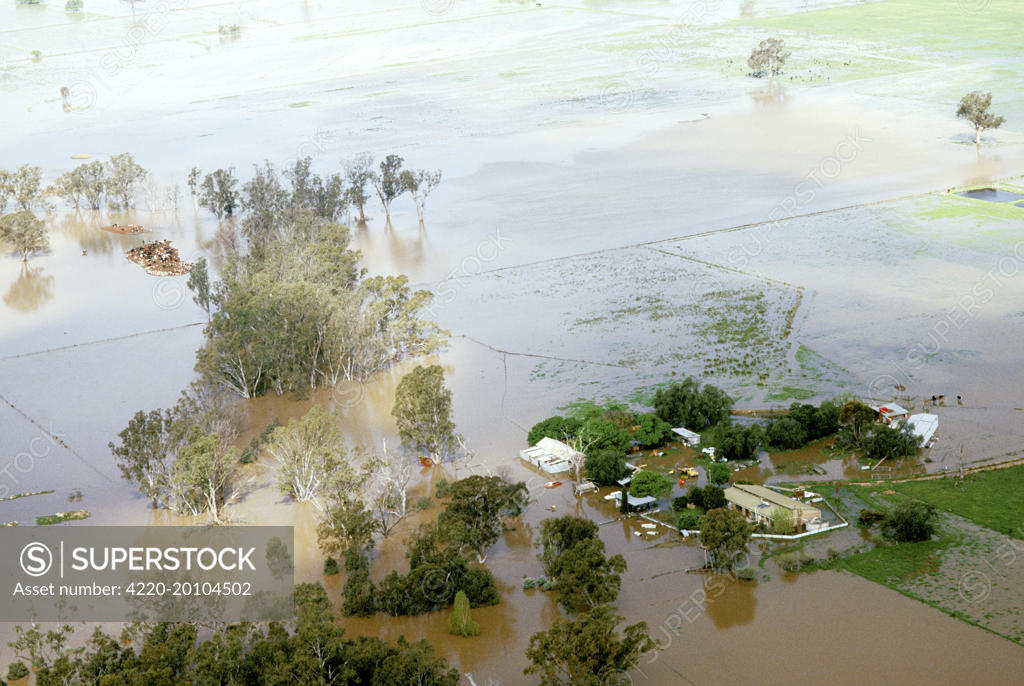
(542, 167)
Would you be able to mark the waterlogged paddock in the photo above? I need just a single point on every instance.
(648, 130)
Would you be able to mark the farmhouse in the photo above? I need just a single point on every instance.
(759, 503)
(690, 438)
(550, 455)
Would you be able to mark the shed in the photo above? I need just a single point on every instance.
(923, 426)
(637, 502)
(890, 412)
(690, 438)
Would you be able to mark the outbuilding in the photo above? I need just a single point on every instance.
(890, 413)
(690, 438)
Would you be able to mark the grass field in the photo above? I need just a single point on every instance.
(993, 499)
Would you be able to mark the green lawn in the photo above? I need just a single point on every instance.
(892, 564)
(993, 499)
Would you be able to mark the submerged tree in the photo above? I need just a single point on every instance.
(768, 58)
(690, 404)
(123, 177)
(725, 533)
(358, 173)
(587, 651)
(182, 458)
(386, 479)
(6, 189)
(420, 183)
(459, 621)
(423, 413)
(24, 232)
(310, 455)
(388, 183)
(911, 521)
(346, 525)
(475, 517)
(974, 107)
(857, 417)
(27, 185)
(217, 193)
(144, 453)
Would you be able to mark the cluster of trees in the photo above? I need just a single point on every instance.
(312, 649)
(803, 424)
(604, 435)
(265, 198)
(295, 312)
(859, 431)
(183, 458)
(692, 404)
(910, 521)
(584, 649)
(703, 499)
(472, 521)
(91, 185)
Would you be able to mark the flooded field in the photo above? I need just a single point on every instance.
(620, 204)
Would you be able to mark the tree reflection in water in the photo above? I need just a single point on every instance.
(30, 290)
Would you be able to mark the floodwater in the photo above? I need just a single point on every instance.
(541, 165)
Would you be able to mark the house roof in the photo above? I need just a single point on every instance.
(923, 426)
(685, 433)
(635, 501)
(890, 410)
(557, 448)
(761, 499)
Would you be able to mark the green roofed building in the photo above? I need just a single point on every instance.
(759, 502)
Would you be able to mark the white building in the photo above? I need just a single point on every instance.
(550, 455)
(690, 438)
(923, 426)
(890, 413)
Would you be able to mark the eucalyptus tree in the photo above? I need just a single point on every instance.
(217, 193)
(358, 173)
(975, 108)
(24, 232)
(768, 58)
(388, 183)
(420, 183)
(123, 177)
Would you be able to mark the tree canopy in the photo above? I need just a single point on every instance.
(647, 483)
(768, 58)
(479, 507)
(605, 467)
(309, 650)
(975, 108)
(296, 313)
(911, 521)
(725, 534)
(423, 413)
(24, 233)
(587, 650)
(687, 403)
